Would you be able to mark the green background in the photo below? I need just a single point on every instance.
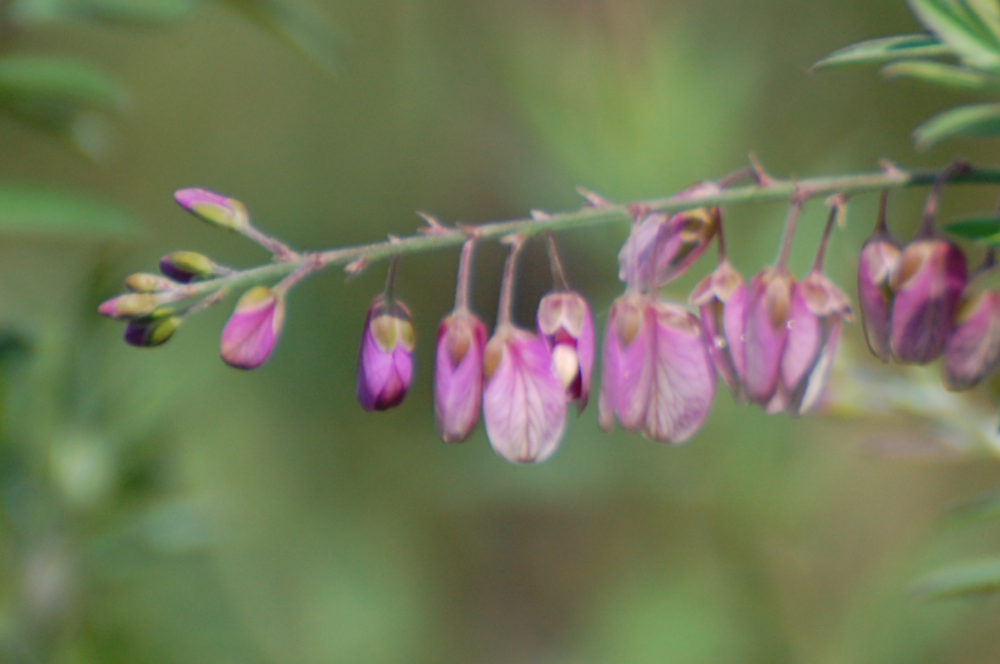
(159, 506)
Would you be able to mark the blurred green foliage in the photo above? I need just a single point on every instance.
(159, 506)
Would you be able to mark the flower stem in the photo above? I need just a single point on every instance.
(770, 190)
(555, 263)
(507, 285)
(464, 275)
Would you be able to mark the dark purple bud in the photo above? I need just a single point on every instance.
(385, 361)
(185, 266)
(524, 401)
(768, 308)
(927, 286)
(973, 349)
(722, 299)
(152, 331)
(458, 375)
(567, 328)
(661, 248)
(253, 330)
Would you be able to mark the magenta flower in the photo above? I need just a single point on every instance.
(252, 331)
(926, 291)
(722, 300)
(458, 375)
(816, 314)
(768, 308)
(658, 375)
(567, 328)
(973, 349)
(385, 360)
(661, 248)
(524, 400)
(879, 261)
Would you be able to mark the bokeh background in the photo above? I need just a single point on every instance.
(159, 506)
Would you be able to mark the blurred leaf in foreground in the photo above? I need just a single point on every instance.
(979, 120)
(36, 211)
(883, 49)
(985, 230)
(298, 23)
(980, 576)
(139, 12)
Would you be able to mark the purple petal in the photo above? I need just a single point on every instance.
(524, 402)
(766, 332)
(385, 360)
(567, 327)
(928, 284)
(458, 375)
(973, 349)
(627, 369)
(804, 340)
(722, 298)
(683, 383)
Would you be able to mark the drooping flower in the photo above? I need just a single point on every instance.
(878, 262)
(722, 300)
(524, 401)
(663, 247)
(253, 330)
(566, 326)
(768, 308)
(973, 348)
(458, 375)
(658, 376)
(385, 360)
(926, 290)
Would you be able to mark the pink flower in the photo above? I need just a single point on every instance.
(252, 331)
(458, 375)
(524, 401)
(385, 360)
(567, 328)
(214, 208)
(722, 299)
(658, 375)
(661, 248)
(878, 262)
(973, 349)
(768, 309)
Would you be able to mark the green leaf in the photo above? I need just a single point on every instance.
(884, 49)
(987, 14)
(980, 576)
(985, 230)
(950, 22)
(36, 211)
(299, 24)
(976, 120)
(52, 79)
(942, 74)
(134, 12)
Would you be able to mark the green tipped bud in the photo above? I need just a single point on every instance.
(214, 209)
(151, 331)
(130, 305)
(188, 266)
(144, 282)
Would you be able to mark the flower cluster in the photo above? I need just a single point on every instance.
(771, 339)
(918, 302)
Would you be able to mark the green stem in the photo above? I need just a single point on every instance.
(771, 190)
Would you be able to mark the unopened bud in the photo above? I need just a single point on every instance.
(151, 331)
(213, 208)
(144, 282)
(385, 361)
(130, 305)
(253, 329)
(185, 266)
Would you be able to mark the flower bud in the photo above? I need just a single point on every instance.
(768, 307)
(185, 266)
(927, 286)
(151, 331)
(524, 401)
(214, 208)
(567, 328)
(130, 305)
(879, 261)
(973, 348)
(143, 282)
(722, 300)
(458, 375)
(661, 248)
(253, 329)
(385, 360)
